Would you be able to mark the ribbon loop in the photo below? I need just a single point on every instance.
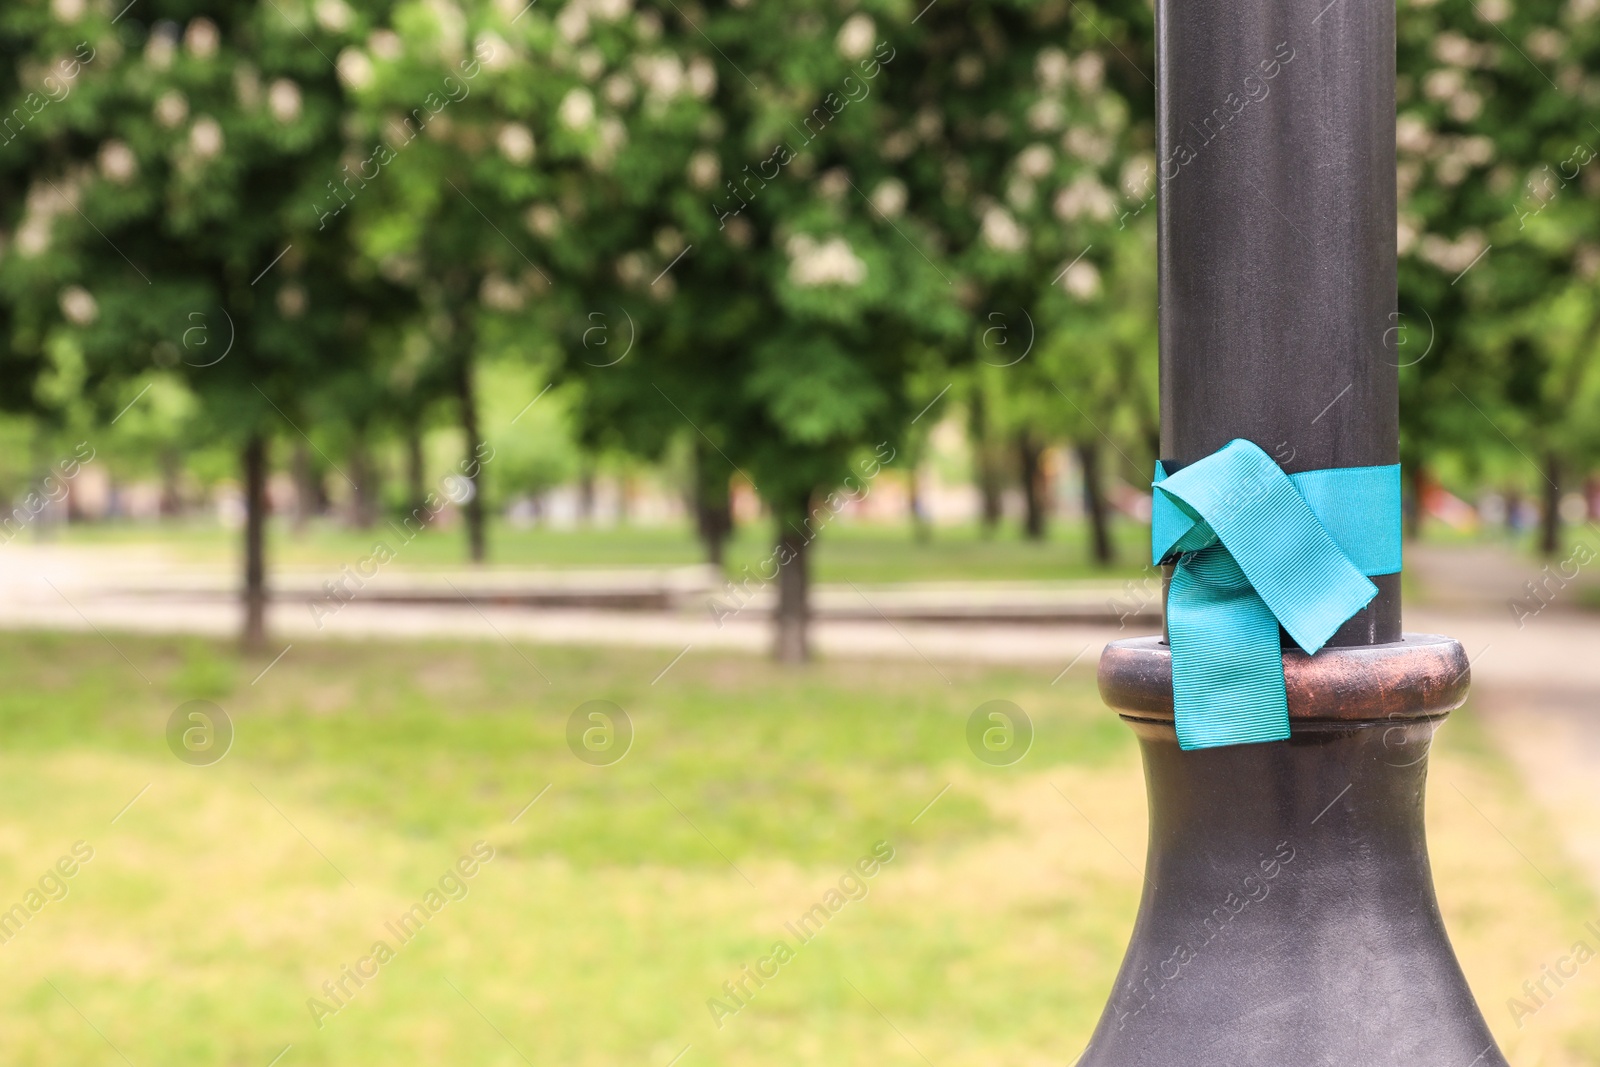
(1252, 551)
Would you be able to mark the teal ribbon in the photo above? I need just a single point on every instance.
(1255, 548)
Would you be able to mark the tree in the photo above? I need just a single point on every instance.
(173, 196)
(484, 144)
(783, 311)
(1497, 212)
(1025, 144)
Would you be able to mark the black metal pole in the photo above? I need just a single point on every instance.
(1288, 915)
(1277, 239)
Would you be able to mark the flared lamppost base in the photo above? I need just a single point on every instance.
(1288, 916)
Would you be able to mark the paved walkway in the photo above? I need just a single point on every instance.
(1536, 673)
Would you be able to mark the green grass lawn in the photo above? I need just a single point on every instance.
(853, 552)
(220, 899)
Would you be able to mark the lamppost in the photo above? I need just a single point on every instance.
(1289, 915)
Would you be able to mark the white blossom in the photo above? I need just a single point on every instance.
(172, 108)
(1138, 177)
(618, 90)
(1406, 230)
(68, 10)
(1082, 142)
(78, 305)
(1052, 68)
(856, 37)
(1465, 106)
(613, 135)
(1546, 44)
(515, 142)
(702, 77)
(1081, 281)
(1411, 134)
(386, 45)
(354, 68)
(1089, 72)
(283, 100)
(1443, 84)
(1477, 150)
(159, 50)
(117, 162)
(1001, 232)
(452, 22)
(1407, 173)
(815, 263)
(500, 293)
(631, 269)
(663, 75)
(1046, 114)
(573, 22)
(1034, 161)
(704, 169)
(577, 108)
(500, 56)
(292, 301)
(1452, 256)
(205, 137)
(669, 242)
(739, 232)
(833, 183)
(898, 145)
(1085, 197)
(334, 16)
(890, 197)
(542, 220)
(202, 38)
(1493, 10)
(44, 202)
(1454, 49)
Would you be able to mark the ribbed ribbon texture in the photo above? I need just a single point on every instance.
(1254, 549)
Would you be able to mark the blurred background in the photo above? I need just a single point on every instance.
(518, 511)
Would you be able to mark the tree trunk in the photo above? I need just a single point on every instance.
(1034, 492)
(171, 506)
(477, 547)
(364, 472)
(1550, 528)
(255, 521)
(305, 488)
(986, 468)
(1419, 490)
(713, 507)
(792, 630)
(1513, 512)
(416, 473)
(1095, 508)
(921, 527)
(586, 495)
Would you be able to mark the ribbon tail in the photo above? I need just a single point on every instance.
(1227, 664)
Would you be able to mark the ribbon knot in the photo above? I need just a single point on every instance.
(1255, 548)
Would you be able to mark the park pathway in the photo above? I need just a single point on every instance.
(1536, 672)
